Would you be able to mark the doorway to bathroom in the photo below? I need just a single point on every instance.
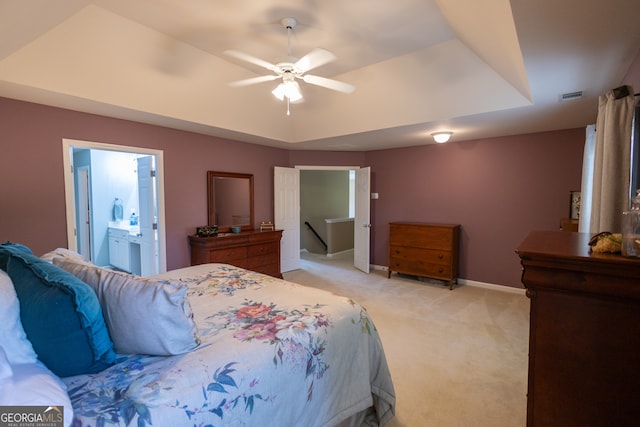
(115, 205)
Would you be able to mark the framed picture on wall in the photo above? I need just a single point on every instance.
(574, 204)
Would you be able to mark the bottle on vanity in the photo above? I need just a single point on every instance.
(133, 218)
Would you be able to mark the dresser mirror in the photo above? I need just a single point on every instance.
(230, 200)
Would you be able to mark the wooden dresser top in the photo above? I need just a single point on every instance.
(567, 245)
(558, 253)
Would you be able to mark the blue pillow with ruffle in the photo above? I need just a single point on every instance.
(61, 314)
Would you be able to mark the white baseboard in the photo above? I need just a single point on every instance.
(492, 286)
(340, 253)
(466, 282)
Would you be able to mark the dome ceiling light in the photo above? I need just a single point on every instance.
(441, 137)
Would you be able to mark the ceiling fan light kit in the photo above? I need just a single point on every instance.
(290, 69)
(441, 137)
(289, 89)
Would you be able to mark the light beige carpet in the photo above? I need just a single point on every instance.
(457, 358)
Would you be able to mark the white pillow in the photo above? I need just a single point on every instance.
(12, 336)
(32, 384)
(63, 253)
(142, 316)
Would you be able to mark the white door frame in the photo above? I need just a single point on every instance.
(329, 168)
(84, 232)
(70, 197)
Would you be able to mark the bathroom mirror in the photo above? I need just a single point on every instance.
(230, 200)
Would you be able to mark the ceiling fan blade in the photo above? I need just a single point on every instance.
(314, 59)
(328, 83)
(252, 59)
(252, 81)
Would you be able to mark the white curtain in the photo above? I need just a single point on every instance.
(586, 191)
(612, 161)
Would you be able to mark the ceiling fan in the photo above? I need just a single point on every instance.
(291, 69)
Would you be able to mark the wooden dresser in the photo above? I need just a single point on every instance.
(584, 340)
(426, 250)
(254, 250)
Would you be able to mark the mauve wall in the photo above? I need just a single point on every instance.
(498, 189)
(633, 74)
(32, 194)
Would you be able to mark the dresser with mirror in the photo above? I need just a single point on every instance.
(230, 209)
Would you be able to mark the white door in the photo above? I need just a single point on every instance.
(362, 225)
(84, 213)
(146, 200)
(286, 185)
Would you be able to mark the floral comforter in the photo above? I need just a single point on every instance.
(273, 353)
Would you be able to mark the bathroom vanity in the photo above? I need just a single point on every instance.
(125, 248)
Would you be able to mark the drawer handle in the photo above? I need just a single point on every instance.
(439, 270)
(440, 256)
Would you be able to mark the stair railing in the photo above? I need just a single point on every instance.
(317, 235)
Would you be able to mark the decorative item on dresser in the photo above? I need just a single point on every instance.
(253, 250)
(426, 250)
(584, 339)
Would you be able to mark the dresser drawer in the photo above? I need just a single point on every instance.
(426, 255)
(417, 267)
(227, 255)
(261, 236)
(271, 270)
(421, 237)
(262, 255)
(257, 263)
(263, 249)
(253, 250)
(266, 259)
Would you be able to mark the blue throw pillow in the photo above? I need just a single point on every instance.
(60, 314)
(11, 248)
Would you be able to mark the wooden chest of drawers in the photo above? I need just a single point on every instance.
(584, 338)
(254, 250)
(426, 250)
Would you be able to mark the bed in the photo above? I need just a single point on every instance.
(266, 352)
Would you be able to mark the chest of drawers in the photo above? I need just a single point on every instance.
(425, 250)
(584, 337)
(254, 250)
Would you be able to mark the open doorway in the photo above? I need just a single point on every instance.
(327, 210)
(115, 205)
(287, 207)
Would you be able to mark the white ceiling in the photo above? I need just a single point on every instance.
(477, 68)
